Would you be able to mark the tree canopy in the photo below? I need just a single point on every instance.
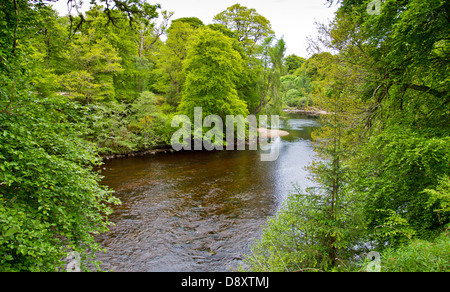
(251, 27)
(212, 68)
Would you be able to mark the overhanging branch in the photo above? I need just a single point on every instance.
(426, 89)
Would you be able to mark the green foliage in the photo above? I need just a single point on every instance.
(172, 56)
(396, 168)
(298, 90)
(107, 128)
(303, 233)
(251, 28)
(147, 120)
(440, 197)
(294, 98)
(137, 11)
(272, 56)
(293, 62)
(51, 200)
(73, 87)
(194, 22)
(307, 78)
(106, 60)
(383, 147)
(322, 227)
(212, 67)
(394, 229)
(419, 256)
(93, 61)
(316, 68)
(116, 128)
(398, 132)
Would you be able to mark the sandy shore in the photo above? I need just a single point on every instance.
(272, 133)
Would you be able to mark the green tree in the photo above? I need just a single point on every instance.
(404, 125)
(212, 67)
(94, 61)
(273, 68)
(135, 11)
(382, 148)
(399, 165)
(172, 56)
(251, 28)
(51, 199)
(147, 120)
(321, 227)
(147, 37)
(293, 62)
(135, 45)
(258, 84)
(194, 22)
(407, 118)
(298, 90)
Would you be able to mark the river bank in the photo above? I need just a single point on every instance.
(268, 133)
(165, 149)
(313, 112)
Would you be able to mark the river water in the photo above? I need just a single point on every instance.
(198, 211)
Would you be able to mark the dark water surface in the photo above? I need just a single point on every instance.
(199, 211)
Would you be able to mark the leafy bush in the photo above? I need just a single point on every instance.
(295, 98)
(298, 238)
(51, 201)
(118, 128)
(106, 127)
(394, 170)
(148, 121)
(419, 256)
(297, 91)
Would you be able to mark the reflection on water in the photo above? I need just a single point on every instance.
(199, 210)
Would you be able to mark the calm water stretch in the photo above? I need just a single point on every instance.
(198, 210)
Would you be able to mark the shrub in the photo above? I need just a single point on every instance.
(51, 201)
(419, 256)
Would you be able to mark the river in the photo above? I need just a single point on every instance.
(199, 211)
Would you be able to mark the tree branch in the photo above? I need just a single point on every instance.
(426, 89)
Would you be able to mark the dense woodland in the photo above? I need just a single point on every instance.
(109, 81)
